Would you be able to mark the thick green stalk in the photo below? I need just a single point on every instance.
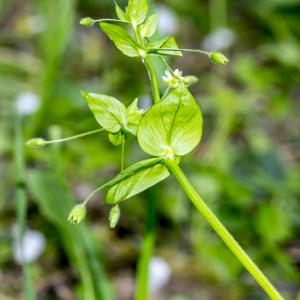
(223, 233)
(153, 78)
(142, 281)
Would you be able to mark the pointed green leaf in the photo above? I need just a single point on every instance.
(168, 42)
(146, 173)
(173, 126)
(137, 11)
(109, 112)
(149, 28)
(121, 38)
(133, 116)
(120, 13)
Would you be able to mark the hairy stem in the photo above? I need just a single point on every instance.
(223, 233)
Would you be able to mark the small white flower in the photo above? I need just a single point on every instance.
(33, 245)
(159, 273)
(174, 80)
(27, 103)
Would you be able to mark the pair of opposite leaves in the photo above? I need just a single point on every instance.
(172, 126)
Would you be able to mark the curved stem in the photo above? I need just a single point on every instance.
(77, 136)
(223, 233)
(153, 79)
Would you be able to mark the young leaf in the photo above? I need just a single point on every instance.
(147, 173)
(120, 13)
(149, 28)
(137, 11)
(133, 117)
(109, 112)
(168, 42)
(173, 126)
(116, 138)
(121, 38)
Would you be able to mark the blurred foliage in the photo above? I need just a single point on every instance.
(246, 168)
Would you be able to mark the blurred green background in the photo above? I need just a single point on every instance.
(246, 167)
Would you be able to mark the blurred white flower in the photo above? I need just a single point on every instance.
(27, 103)
(82, 190)
(159, 273)
(167, 20)
(32, 246)
(145, 102)
(222, 38)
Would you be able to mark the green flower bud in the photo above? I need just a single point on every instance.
(77, 214)
(190, 80)
(114, 216)
(87, 22)
(218, 58)
(36, 143)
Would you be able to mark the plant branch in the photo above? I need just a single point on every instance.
(77, 136)
(153, 79)
(223, 233)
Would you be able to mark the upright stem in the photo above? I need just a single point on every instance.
(21, 204)
(123, 152)
(153, 78)
(142, 281)
(142, 284)
(223, 233)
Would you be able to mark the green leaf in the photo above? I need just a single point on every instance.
(173, 126)
(133, 117)
(137, 11)
(109, 112)
(168, 42)
(120, 13)
(141, 176)
(121, 38)
(149, 28)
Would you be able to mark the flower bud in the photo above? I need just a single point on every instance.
(77, 214)
(114, 216)
(218, 58)
(87, 22)
(36, 143)
(190, 80)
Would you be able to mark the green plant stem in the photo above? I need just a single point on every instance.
(123, 152)
(109, 20)
(154, 50)
(223, 233)
(142, 281)
(21, 203)
(153, 79)
(77, 136)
